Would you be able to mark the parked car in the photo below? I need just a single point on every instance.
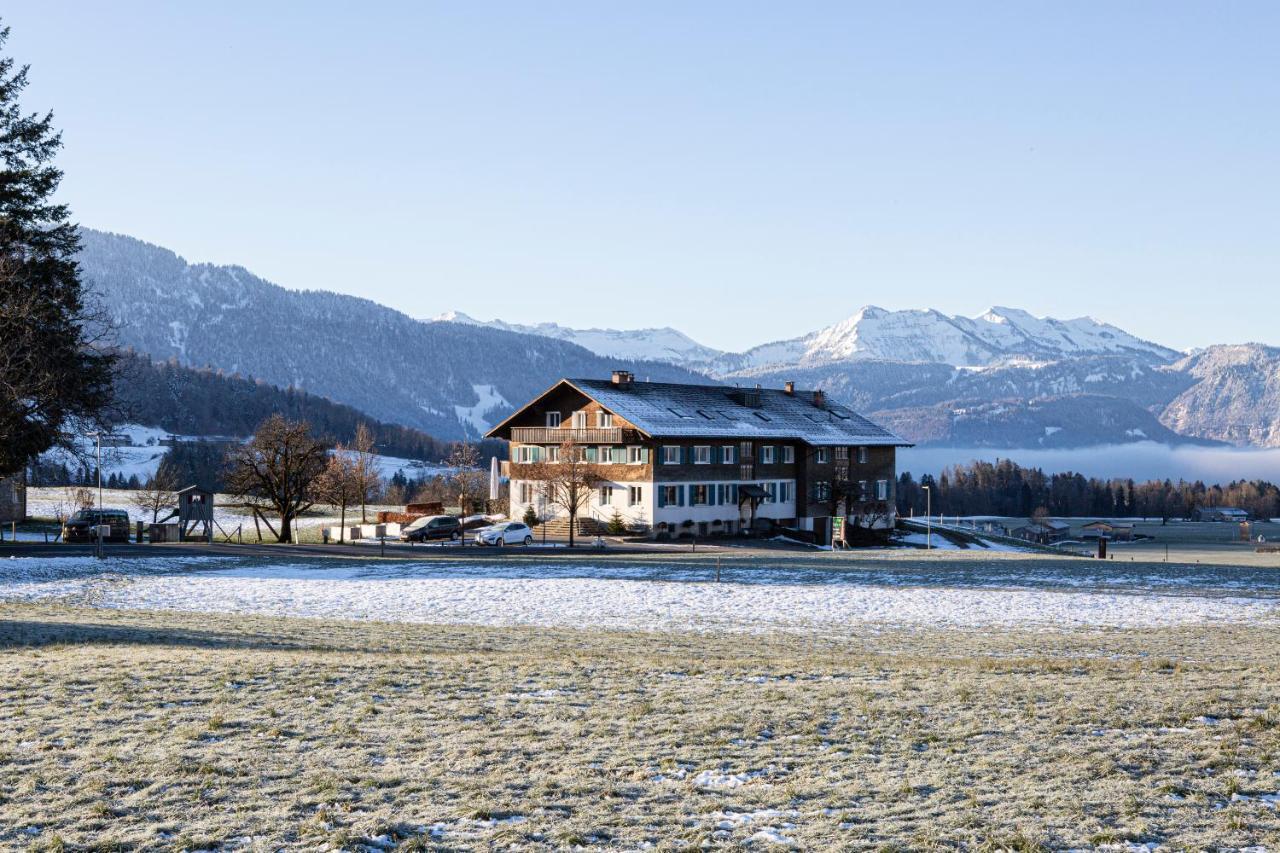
(79, 528)
(431, 527)
(505, 533)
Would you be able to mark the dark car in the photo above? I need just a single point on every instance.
(80, 527)
(431, 527)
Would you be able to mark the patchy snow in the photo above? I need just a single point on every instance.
(722, 780)
(474, 416)
(940, 543)
(650, 596)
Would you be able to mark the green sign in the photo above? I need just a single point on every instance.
(837, 529)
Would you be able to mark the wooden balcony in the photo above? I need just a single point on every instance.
(559, 435)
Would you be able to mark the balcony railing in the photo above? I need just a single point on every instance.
(559, 435)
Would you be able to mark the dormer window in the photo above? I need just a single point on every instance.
(553, 420)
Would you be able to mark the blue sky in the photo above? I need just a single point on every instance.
(742, 171)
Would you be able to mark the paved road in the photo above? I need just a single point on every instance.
(395, 551)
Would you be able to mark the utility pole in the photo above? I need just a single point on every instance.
(97, 535)
(928, 518)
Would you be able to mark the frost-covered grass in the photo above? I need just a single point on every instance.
(160, 730)
(823, 595)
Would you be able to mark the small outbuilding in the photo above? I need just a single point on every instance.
(1116, 531)
(195, 514)
(1221, 513)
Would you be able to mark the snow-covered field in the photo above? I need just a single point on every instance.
(142, 458)
(655, 595)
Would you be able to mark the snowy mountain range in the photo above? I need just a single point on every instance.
(1001, 335)
(1002, 379)
(665, 344)
(446, 379)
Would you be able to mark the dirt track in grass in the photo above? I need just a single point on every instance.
(173, 731)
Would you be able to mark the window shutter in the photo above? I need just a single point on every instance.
(679, 495)
(662, 496)
(644, 455)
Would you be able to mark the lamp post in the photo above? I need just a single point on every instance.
(928, 518)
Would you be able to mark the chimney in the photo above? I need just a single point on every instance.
(820, 399)
(623, 378)
(790, 388)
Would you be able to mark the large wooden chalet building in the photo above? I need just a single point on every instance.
(707, 459)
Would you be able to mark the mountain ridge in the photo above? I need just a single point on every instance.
(1029, 381)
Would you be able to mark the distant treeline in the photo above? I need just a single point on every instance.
(1007, 489)
(190, 401)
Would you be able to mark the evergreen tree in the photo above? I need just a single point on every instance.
(530, 517)
(53, 381)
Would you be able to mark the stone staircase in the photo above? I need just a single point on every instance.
(558, 528)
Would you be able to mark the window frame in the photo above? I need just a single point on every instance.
(820, 456)
(768, 453)
(604, 420)
(728, 454)
(635, 495)
(553, 420)
(702, 454)
(667, 454)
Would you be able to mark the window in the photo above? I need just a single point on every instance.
(604, 420)
(606, 455)
(589, 454)
(670, 454)
(702, 454)
(704, 414)
(784, 491)
(842, 472)
(842, 453)
(762, 416)
(789, 454)
(635, 495)
(822, 491)
(727, 454)
(637, 455)
(820, 456)
(606, 495)
(579, 420)
(882, 490)
(677, 413)
(670, 495)
(745, 449)
(552, 454)
(553, 419)
(698, 495)
(863, 455)
(766, 454)
(525, 453)
(862, 490)
(526, 493)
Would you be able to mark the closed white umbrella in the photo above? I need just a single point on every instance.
(493, 478)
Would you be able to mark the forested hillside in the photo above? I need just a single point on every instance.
(190, 401)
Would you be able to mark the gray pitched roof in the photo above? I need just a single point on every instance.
(670, 410)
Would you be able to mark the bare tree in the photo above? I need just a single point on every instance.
(160, 491)
(341, 484)
(568, 481)
(276, 472)
(365, 467)
(466, 478)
